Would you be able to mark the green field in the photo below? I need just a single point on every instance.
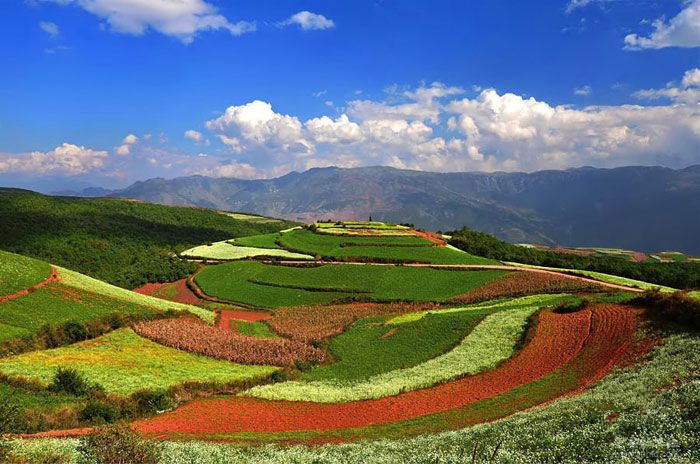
(259, 241)
(122, 362)
(56, 304)
(491, 342)
(272, 286)
(20, 272)
(226, 251)
(394, 249)
(373, 346)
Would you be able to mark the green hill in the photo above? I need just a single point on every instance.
(122, 242)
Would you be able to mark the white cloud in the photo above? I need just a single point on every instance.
(125, 148)
(320, 93)
(687, 92)
(682, 30)
(309, 21)
(583, 91)
(50, 28)
(256, 125)
(182, 19)
(65, 159)
(576, 4)
(340, 131)
(194, 135)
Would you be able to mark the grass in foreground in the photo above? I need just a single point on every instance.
(122, 362)
(274, 286)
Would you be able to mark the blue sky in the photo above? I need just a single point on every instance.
(106, 92)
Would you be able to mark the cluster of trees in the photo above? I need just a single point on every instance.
(123, 242)
(683, 275)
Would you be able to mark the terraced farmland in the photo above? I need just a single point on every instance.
(389, 336)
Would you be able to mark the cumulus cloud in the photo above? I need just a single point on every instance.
(309, 21)
(682, 30)
(197, 137)
(50, 28)
(431, 128)
(583, 91)
(125, 148)
(182, 19)
(65, 159)
(257, 125)
(687, 92)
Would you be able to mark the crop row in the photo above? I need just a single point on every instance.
(526, 283)
(490, 343)
(193, 336)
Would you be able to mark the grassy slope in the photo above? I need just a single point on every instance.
(122, 242)
(275, 286)
(19, 272)
(490, 343)
(122, 362)
(305, 241)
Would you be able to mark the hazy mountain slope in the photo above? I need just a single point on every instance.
(644, 208)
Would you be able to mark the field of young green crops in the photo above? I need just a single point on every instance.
(272, 286)
(491, 342)
(398, 249)
(122, 362)
(225, 250)
(20, 272)
(80, 281)
(259, 241)
(55, 304)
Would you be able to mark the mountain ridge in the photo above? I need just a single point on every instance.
(646, 208)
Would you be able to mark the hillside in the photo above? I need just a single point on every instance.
(125, 243)
(382, 332)
(577, 207)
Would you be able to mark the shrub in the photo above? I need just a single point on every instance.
(74, 332)
(99, 412)
(675, 307)
(118, 444)
(150, 401)
(12, 419)
(567, 307)
(67, 380)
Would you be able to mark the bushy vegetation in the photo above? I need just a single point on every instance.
(122, 362)
(381, 249)
(675, 307)
(118, 444)
(123, 242)
(487, 345)
(684, 275)
(267, 285)
(20, 272)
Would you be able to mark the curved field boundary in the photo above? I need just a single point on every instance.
(559, 337)
(490, 343)
(25, 291)
(502, 267)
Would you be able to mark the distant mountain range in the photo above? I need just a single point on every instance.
(643, 208)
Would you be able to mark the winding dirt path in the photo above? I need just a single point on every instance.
(54, 277)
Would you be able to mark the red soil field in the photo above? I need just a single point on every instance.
(183, 294)
(228, 315)
(527, 283)
(432, 236)
(53, 277)
(604, 331)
